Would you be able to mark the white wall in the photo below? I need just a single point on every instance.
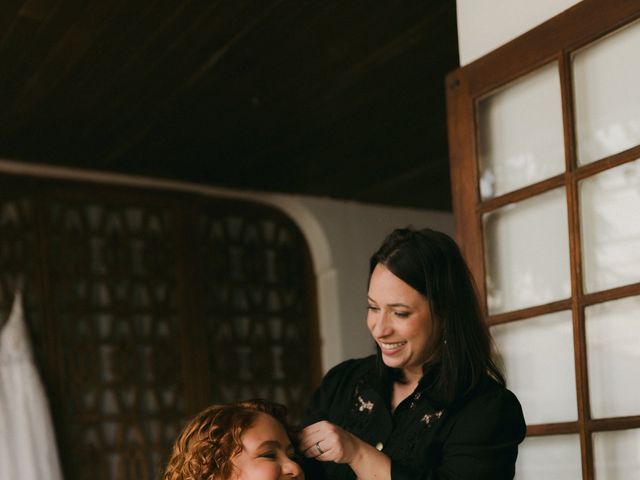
(484, 25)
(341, 236)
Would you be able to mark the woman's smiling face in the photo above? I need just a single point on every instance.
(266, 453)
(399, 319)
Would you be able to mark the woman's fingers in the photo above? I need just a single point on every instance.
(318, 449)
(312, 437)
(325, 441)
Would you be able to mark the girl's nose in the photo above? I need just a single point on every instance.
(291, 469)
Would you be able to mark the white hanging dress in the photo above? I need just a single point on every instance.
(27, 440)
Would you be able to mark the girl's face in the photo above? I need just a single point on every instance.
(266, 453)
(399, 319)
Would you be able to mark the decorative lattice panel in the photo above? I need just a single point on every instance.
(144, 307)
(258, 307)
(113, 268)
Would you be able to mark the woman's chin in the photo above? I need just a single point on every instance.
(392, 362)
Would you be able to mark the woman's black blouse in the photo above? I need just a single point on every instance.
(475, 438)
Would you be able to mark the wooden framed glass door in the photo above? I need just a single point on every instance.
(544, 138)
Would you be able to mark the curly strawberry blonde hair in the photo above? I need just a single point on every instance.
(205, 448)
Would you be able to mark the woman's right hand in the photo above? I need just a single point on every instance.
(327, 442)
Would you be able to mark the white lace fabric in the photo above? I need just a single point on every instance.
(27, 440)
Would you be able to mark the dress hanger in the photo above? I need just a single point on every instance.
(18, 285)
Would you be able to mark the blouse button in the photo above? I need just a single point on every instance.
(379, 446)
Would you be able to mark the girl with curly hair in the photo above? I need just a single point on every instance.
(244, 440)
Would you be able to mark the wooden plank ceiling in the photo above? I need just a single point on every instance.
(334, 98)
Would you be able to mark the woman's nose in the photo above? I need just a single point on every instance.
(382, 326)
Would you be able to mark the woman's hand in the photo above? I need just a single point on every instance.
(327, 442)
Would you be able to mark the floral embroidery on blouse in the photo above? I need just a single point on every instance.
(368, 406)
(431, 417)
(414, 401)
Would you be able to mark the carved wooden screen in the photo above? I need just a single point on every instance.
(112, 266)
(144, 307)
(256, 306)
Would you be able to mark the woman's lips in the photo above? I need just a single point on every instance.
(391, 348)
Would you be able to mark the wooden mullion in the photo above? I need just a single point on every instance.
(607, 163)
(522, 193)
(56, 367)
(575, 258)
(608, 424)
(196, 372)
(579, 334)
(51, 331)
(553, 429)
(566, 93)
(529, 312)
(611, 294)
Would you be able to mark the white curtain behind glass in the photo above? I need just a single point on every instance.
(27, 441)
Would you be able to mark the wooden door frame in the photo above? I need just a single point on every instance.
(555, 40)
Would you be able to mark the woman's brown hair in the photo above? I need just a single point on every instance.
(206, 446)
(431, 263)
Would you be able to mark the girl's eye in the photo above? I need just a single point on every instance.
(269, 455)
(372, 308)
(402, 314)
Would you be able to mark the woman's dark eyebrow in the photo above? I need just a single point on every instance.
(391, 304)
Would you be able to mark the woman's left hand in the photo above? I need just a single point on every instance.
(327, 442)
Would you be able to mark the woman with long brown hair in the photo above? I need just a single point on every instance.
(431, 403)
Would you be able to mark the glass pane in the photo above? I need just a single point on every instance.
(613, 357)
(520, 133)
(617, 454)
(606, 76)
(537, 355)
(554, 457)
(610, 219)
(527, 253)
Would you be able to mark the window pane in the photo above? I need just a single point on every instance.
(613, 357)
(544, 382)
(527, 253)
(554, 457)
(606, 76)
(617, 454)
(610, 216)
(520, 133)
